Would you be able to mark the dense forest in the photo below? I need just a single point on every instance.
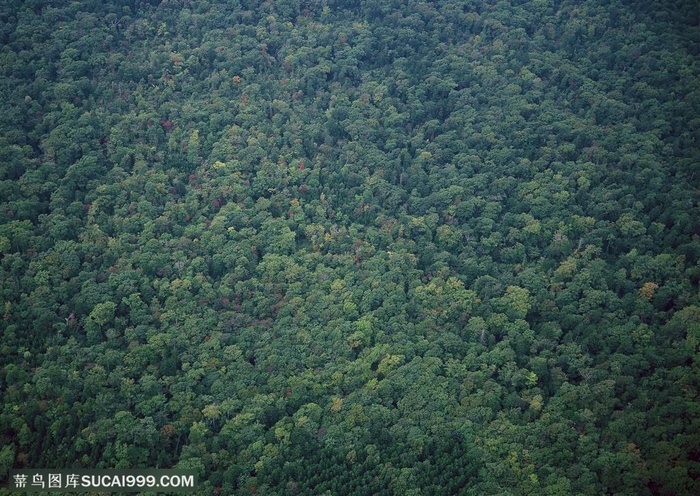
(391, 247)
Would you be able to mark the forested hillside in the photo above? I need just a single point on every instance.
(391, 247)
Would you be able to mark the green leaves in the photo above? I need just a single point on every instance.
(516, 302)
(416, 247)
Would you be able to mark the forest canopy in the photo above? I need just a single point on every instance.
(332, 247)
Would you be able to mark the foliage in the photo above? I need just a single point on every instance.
(390, 247)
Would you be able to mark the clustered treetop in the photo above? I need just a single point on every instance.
(388, 247)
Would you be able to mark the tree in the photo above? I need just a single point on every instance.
(100, 316)
(516, 302)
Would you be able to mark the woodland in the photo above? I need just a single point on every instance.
(332, 247)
